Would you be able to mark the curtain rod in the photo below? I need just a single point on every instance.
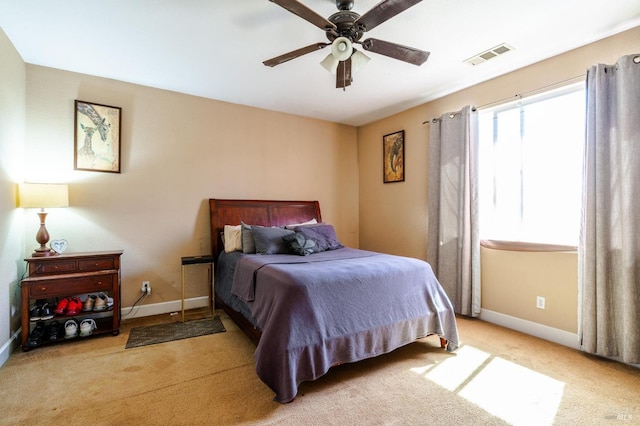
(518, 96)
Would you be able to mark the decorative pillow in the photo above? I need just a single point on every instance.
(248, 245)
(232, 238)
(324, 235)
(269, 240)
(309, 222)
(297, 243)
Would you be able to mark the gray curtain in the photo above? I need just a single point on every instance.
(609, 251)
(453, 248)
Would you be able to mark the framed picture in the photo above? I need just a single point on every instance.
(97, 137)
(393, 157)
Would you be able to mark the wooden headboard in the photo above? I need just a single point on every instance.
(256, 212)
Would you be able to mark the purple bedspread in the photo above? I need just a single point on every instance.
(335, 307)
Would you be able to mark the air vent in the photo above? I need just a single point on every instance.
(489, 54)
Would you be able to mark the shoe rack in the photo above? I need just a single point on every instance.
(73, 275)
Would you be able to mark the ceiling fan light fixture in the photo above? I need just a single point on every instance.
(341, 50)
(358, 60)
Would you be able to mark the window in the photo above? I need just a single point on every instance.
(530, 171)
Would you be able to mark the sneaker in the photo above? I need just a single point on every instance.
(35, 313)
(70, 329)
(55, 331)
(62, 306)
(35, 337)
(46, 312)
(101, 303)
(74, 307)
(86, 327)
(88, 304)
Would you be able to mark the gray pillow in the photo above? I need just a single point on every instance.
(248, 245)
(269, 240)
(324, 235)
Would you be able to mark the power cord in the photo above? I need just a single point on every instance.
(143, 296)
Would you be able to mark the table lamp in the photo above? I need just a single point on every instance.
(43, 195)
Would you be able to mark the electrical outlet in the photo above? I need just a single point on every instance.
(540, 302)
(146, 287)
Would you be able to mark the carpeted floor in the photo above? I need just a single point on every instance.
(162, 333)
(497, 377)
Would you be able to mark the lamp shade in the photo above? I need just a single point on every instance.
(330, 64)
(358, 60)
(43, 195)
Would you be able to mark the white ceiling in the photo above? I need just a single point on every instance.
(215, 48)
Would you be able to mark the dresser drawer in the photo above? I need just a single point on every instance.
(57, 267)
(41, 289)
(97, 264)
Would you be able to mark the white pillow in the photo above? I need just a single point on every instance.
(232, 238)
(309, 222)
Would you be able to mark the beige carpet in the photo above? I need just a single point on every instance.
(497, 377)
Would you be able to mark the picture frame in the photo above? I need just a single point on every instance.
(97, 137)
(393, 157)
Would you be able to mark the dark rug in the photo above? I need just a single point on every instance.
(161, 333)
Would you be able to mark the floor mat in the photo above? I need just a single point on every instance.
(161, 333)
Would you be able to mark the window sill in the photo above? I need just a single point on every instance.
(524, 246)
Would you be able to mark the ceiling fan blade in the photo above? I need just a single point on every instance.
(343, 74)
(382, 12)
(294, 54)
(307, 14)
(396, 51)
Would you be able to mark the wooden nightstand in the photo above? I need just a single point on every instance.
(53, 278)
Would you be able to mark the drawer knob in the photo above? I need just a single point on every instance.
(43, 289)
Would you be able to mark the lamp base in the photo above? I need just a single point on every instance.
(43, 252)
(42, 237)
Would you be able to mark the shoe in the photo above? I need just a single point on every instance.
(74, 307)
(109, 302)
(88, 304)
(46, 312)
(101, 303)
(55, 331)
(70, 329)
(86, 327)
(35, 313)
(35, 337)
(61, 307)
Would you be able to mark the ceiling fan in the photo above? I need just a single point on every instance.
(344, 29)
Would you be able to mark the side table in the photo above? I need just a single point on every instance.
(195, 260)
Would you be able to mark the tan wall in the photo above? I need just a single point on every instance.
(393, 217)
(178, 151)
(12, 124)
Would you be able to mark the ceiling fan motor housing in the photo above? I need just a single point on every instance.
(344, 22)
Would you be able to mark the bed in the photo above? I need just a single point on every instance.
(316, 304)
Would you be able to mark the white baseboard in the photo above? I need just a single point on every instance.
(9, 346)
(529, 327)
(163, 307)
